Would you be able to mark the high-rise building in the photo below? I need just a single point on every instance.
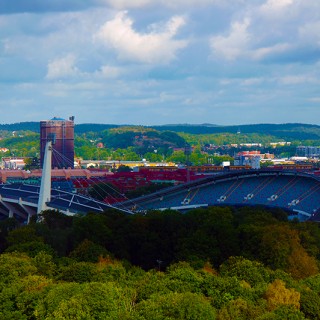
(61, 133)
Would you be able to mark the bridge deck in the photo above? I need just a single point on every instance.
(21, 201)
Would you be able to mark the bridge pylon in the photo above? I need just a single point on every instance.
(45, 187)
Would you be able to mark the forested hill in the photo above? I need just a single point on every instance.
(287, 131)
(21, 126)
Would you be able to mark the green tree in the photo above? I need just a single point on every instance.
(181, 277)
(18, 299)
(56, 230)
(196, 158)
(14, 266)
(152, 283)
(6, 226)
(250, 271)
(241, 310)
(26, 239)
(88, 251)
(286, 312)
(44, 264)
(23, 235)
(31, 248)
(153, 157)
(177, 157)
(281, 248)
(85, 301)
(313, 282)
(175, 306)
(92, 227)
(310, 304)
(222, 290)
(79, 272)
(211, 235)
(54, 219)
(124, 168)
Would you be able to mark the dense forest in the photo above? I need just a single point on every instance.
(216, 263)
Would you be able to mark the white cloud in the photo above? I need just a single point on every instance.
(297, 79)
(226, 81)
(310, 32)
(191, 3)
(233, 45)
(242, 82)
(62, 68)
(110, 71)
(256, 44)
(276, 29)
(275, 6)
(261, 53)
(8, 48)
(252, 81)
(126, 4)
(157, 46)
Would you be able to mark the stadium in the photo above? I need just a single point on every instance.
(296, 192)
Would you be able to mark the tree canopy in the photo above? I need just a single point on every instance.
(214, 263)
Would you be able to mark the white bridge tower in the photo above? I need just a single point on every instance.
(45, 188)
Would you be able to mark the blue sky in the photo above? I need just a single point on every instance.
(154, 62)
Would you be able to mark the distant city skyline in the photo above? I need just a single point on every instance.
(154, 62)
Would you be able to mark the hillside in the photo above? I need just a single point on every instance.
(158, 143)
(287, 131)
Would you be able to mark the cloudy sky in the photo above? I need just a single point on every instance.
(160, 61)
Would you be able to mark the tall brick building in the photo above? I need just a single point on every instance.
(61, 132)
